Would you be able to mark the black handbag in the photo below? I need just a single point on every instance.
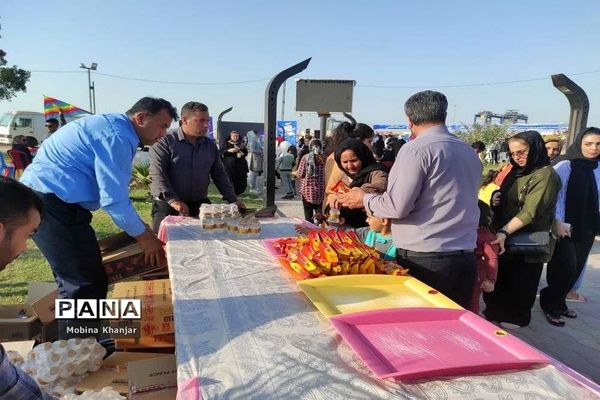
(537, 243)
(529, 244)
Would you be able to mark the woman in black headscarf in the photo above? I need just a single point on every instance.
(361, 170)
(525, 202)
(577, 222)
(234, 159)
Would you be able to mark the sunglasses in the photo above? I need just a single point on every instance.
(519, 153)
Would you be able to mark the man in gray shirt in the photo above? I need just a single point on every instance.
(181, 166)
(432, 198)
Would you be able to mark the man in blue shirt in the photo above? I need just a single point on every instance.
(20, 212)
(84, 166)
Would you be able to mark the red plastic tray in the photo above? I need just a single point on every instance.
(415, 343)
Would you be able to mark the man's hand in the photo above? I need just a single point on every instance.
(180, 207)
(241, 206)
(154, 254)
(352, 199)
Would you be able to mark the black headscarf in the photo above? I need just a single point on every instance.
(574, 150)
(581, 203)
(537, 157)
(364, 154)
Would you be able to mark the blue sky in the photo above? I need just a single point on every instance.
(398, 44)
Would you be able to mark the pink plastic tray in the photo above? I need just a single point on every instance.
(268, 243)
(415, 343)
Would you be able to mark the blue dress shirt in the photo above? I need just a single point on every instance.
(88, 162)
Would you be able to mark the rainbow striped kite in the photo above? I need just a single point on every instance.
(54, 107)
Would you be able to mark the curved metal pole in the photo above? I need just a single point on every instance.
(271, 126)
(580, 105)
(219, 123)
(351, 118)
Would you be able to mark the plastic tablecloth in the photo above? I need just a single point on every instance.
(244, 330)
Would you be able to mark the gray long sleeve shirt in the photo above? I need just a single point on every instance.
(180, 170)
(432, 194)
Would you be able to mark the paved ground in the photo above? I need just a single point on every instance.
(576, 345)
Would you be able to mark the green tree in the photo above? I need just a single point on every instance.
(12, 79)
(488, 134)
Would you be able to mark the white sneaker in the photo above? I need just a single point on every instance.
(509, 326)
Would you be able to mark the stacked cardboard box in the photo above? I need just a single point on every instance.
(137, 375)
(33, 319)
(123, 258)
(156, 327)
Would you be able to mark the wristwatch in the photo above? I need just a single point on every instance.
(506, 234)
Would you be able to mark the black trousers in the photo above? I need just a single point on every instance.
(563, 270)
(515, 290)
(453, 275)
(310, 209)
(66, 239)
(160, 209)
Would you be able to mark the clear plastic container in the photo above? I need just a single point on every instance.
(334, 216)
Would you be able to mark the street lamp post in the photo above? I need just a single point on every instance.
(92, 67)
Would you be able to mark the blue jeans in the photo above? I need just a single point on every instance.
(67, 240)
(287, 183)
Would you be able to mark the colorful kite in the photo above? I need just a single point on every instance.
(54, 108)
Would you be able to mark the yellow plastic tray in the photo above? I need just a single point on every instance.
(346, 294)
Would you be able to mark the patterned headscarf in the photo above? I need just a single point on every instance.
(313, 157)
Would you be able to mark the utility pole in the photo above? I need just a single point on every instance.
(92, 89)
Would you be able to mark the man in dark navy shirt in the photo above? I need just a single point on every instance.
(181, 166)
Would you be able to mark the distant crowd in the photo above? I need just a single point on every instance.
(420, 203)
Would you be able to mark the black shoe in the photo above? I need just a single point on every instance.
(570, 313)
(556, 321)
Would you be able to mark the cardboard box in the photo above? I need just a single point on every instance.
(38, 310)
(162, 343)
(157, 306)
(113, 372)
(153, 379)
(22, 347)
(122, 257)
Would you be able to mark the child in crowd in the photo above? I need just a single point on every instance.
(488, 187)
(377, 234)
(487, 257)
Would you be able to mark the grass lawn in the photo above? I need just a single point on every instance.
(31, 266)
